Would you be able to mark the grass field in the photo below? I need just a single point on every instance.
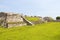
(46, 31)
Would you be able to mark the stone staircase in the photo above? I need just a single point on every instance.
(26, 21)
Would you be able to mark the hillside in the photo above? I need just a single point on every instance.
(32, 18)
(46, 31)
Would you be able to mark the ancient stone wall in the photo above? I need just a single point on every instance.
(3, 17)
(12, 19)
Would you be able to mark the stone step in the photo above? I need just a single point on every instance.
(28, 22)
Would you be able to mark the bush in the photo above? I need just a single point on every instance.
(58, 17)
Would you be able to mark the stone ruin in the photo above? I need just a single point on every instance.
(12, 19)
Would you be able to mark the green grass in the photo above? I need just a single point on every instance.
(32, 18)
(46, 31)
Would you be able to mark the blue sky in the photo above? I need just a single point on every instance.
(32, 7)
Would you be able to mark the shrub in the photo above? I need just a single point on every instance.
(58, 17)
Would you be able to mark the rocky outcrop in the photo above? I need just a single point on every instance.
(12, 20)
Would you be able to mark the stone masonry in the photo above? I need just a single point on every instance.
(12, 19)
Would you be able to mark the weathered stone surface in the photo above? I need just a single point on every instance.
(12, 19)
(48, 19)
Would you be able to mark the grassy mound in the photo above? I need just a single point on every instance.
(32, 18)
(48, 31)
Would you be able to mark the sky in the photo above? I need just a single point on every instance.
(32, 7)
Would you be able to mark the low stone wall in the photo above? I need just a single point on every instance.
(57, 20)
(16, 25)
